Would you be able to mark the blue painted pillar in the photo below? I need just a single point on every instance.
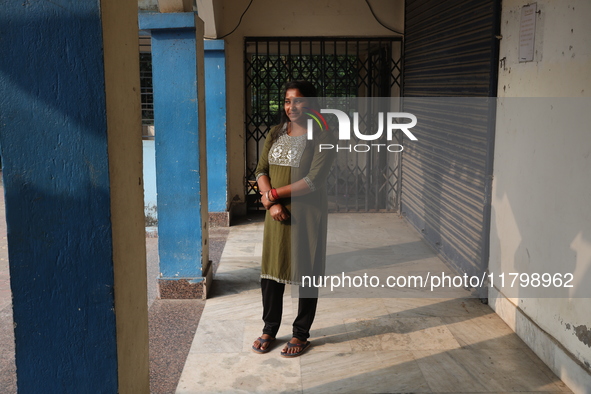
(217, 159)
(53, 134)
(181, 178)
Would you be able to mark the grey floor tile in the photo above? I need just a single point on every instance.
(488, 331)
(483, 370)
(218, 336)
(240, 373)
(392, 333)
(330, 335)
(437, 307)
(363, 372)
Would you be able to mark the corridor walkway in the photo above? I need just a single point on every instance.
(375, 340)
(7, 365)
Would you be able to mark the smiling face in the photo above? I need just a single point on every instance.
(294, 106)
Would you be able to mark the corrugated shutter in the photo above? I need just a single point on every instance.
(451, 50)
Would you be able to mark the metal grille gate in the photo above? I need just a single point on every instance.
(451, 63)
(339, 67)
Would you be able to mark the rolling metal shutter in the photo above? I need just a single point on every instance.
(451, 50)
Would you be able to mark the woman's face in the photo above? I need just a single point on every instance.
(294, 105)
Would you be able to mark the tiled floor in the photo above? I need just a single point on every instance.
(375, 340)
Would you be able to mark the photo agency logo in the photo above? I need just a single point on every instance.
(389, 121)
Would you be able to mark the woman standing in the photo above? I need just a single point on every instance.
(291, 176)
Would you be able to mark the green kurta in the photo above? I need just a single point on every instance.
(297, 246)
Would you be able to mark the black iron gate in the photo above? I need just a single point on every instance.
(340, 68)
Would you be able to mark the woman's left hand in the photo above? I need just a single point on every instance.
(278, 212)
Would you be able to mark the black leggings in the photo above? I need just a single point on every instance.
(273, 310)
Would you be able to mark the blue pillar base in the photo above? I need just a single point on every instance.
(186, 289)
(219, 219)
(181, 289)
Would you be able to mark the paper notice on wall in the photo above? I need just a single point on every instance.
(527, 32)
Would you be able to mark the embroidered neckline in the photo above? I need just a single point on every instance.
(287, 150)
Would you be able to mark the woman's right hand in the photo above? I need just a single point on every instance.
(278, 212)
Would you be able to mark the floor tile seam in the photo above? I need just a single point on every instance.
(234, 250)
(237, 258)
(342, 343)
(342, 323)
(230, 298)
(227, 266)
(230, 271)
(238, 268)
(245, 319)
(273, 354)
(244, 330)
(242, 243)
(244, 256)
(545, 369)
(246, 231)
(236, 238)
(478, 345)
(476, 378)
(244, 293)
(212, 318)
(381, 306)
(237, 321)
(243, 239)
(349, 332)
(494, 350)
(406, 335)
(240, 260)
(424, 373)
(407, 353)
(400, 315)
(234, 300)
(298, 360)
(458, 315)
(386, 353)
(491, 347)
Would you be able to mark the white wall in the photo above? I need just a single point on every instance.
(561, 66)
(541, 203)
(148, 5)
(286, 18)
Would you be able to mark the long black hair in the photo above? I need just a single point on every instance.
(307, 89)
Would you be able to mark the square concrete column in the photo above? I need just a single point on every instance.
(70, 134)
(181, 165)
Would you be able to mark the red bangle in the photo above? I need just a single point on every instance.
(267, 195)
(274, 194)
